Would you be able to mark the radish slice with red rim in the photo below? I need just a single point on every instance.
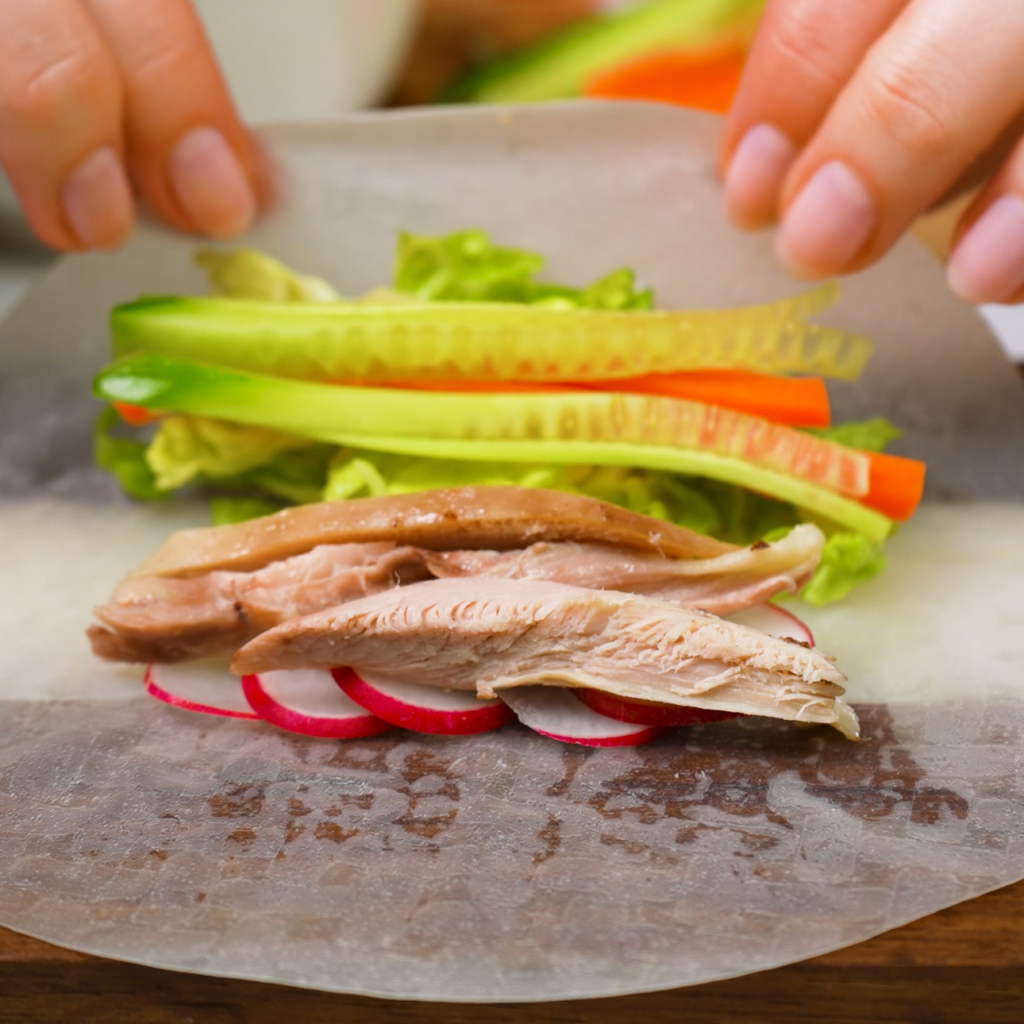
(767, 618)
(774, 621)
(307, 701)
(639, 712)
(209, 689)
(554, 711)
(421, 708)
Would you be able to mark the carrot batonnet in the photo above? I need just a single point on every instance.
(701, 81)
(791, 401)
(134, 415)
(896, 485)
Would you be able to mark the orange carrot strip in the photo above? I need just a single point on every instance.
(472, 387)
(793, 401)
(698, 80)
(134, 415)
(896, 485)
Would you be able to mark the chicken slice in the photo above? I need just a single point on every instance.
(489, 634)
(154, 618)
(739, 579)
(459, 517)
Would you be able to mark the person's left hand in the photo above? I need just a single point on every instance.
(856, 116)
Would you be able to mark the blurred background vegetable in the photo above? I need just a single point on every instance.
(679, 51)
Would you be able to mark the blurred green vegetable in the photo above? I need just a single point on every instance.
(559, 66)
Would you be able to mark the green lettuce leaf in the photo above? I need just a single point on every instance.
(225, 511)
(250, 274)
(466, 266)
(706, 506)
(189, 448)
(124, 458)
(296, 476)
(847, 560)
(874, 435)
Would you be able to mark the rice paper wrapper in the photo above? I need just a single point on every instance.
(508, 866)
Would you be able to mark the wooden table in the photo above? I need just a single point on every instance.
(963, 964)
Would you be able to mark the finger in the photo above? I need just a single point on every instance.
(987, 264)
(988, 164)
(911, 122)
(187, 151)
(60, 125)
(804, 53)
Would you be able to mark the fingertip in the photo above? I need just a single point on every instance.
(264, 175)
(755, 175)
(96, 201)
(210, 183)
(987, 264)
(827, 224)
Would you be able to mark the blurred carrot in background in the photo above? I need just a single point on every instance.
(687, 79)
(518, 51)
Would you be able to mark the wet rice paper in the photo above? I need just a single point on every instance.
(506, 866)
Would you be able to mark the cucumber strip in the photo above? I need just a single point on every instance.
(560, 66)
(823, 503)
(485, 341)
(580, 417)
(589, 428)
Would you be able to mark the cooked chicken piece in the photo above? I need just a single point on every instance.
(486, 634)
(153, 618)
(739, 579)
(499, 518)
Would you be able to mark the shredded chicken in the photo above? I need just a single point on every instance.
(154, 618)
(486, 634)
(739, 579)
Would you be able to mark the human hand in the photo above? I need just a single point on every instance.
(100, 98)
(856, 116)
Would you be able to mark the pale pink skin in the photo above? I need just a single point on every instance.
(344, 727)
(766, 617)
(854, 118)
(177, 700)
(470, 716)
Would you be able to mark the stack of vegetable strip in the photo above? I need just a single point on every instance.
(470, 370)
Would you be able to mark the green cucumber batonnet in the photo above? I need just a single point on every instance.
(486, 341)
(586, 428)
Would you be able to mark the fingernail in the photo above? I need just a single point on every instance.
(988, 264)
(756, 172)
(210, 183)
(97, 201)
(827, 224)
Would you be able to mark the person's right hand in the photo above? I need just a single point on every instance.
(103, 98)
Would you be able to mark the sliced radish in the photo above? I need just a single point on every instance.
(642, 712)
(554, 711)
(199, 686)
(774, 621)
(423, 708)
(768, 618)
(307, 701)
